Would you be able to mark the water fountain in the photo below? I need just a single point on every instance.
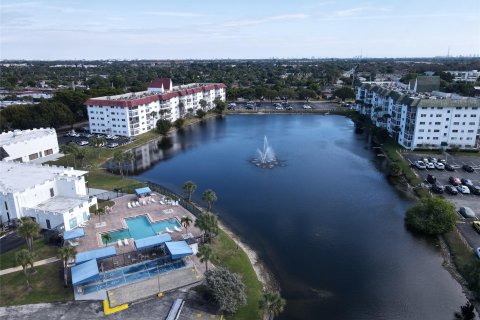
(266, 157)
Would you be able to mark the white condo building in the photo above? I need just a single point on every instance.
(28, 145)
(421, 121)
(55, 197)
(135, 113)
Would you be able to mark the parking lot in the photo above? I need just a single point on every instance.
(283, 106)
(460, 200)
(83, 138)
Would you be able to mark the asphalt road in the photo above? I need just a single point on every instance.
(10, 241)
(270, 106)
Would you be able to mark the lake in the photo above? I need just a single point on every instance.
(326, 223)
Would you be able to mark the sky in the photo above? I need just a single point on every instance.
(210, 29)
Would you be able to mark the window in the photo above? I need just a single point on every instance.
(458, 108)
(435, 138)
(48, 152)
(423, 115)
(421, 130)
(420, 138)
(471, 123)
(33, 156)
(473, 115)
(456, 123)
(470, 131)
(448, 111)
(438, 115)
(431, 115)
(437, 123)
(52, 193)
(6, 206)
(454, 130)
(436, 130)
(457, 116)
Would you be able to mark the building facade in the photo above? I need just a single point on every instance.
(55, 197)
(135, 113)
(421, 121)
(28, 145)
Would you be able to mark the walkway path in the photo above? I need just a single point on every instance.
(36, 264)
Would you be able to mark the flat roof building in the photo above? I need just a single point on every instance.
(55, 197)
(28, 145)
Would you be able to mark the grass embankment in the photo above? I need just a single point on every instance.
(229, 255)
(42, 251)
(46, 283)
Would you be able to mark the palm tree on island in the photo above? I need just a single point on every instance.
(272, 303)
(65, 254)
(209, 196)
(189, 187)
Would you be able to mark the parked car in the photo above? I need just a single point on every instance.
(437, 188)
(430, 165)
(466, 182)
(431, 159)
(474, 189)
(112, 145)
(82, 143)
(451, 189)
(455, 181)
(463, 189)
(467, 212)
(431, 179)
(467, 168)
(476, 226)
(449, 167)
(278, 108)
(289, 108)
(249, 107)
(439, 166)
(420, 165)
(306, 106)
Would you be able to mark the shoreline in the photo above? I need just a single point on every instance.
(263, 274)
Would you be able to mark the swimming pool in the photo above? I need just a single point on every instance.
(129, 274)
(140, 227)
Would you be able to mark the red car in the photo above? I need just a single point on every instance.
(455, 181)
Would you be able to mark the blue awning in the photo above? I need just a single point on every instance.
(95, 254)
(152, 241)
(85, 272)
(143, 191)
(179, 249)
(74, 234)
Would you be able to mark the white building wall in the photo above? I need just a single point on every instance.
(37, 146)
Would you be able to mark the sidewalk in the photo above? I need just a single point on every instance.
(36, 264)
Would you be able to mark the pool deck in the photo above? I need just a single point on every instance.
(115, 220)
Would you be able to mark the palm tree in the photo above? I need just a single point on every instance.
(93, 141)
(208, 223)
(186, 221)
(272, 303)
(25, 258)
(153, 114)
(81, 154)
(189, 187)
(66, 253)
(106, 237)
(118, 159)
(65, 149)
(205, 253)
(29, 229)
(209, 196)
(74, 152)
(99, 212)
(181, 108)
(129, 157)
(202, 104)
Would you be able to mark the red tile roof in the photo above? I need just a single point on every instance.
(161, 82)
(152, 98)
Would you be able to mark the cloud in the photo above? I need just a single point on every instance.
(359, 10)
(173, 14)
(258, 21)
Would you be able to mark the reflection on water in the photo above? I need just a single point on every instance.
(328, 224)
(175, 143)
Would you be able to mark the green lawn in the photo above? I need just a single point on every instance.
(47, 286)
(461, 253)
(228, 255)
(42, 251)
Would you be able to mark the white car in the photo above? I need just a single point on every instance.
(278, 108)
(306, 106)
(82, 143)
(463, 189)
(439, 166)
(420, 165)
(430, 165)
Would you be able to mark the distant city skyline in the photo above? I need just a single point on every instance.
(91, 30)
